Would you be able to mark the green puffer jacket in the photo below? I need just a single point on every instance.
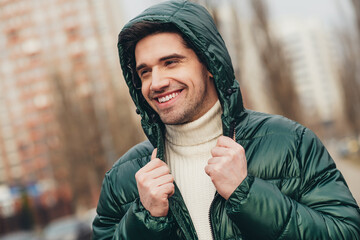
(293, 190)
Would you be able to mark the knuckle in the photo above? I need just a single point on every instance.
(238, 152)
(242, 150)
(207, 170)
(159, 162)
(218, 168)
(232, 153)
(164, 201)
(155, 161)
(166, 169)
(139, 177)
(138, 173)
(146, 184)
(169, 189)
(153, 193)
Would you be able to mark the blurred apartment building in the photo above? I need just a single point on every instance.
(44, 43)
(312, 51)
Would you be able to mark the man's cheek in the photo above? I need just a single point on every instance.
(145, 93)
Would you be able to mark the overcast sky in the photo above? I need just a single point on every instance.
(326, 11)
(329, 11)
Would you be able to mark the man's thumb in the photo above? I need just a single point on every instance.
(153, 155)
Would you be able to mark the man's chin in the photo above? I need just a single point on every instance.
(172, 120)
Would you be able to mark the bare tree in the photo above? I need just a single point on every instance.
(349, 70)
(125, 132)
(81, 159)
(356, 6)
(279, 78)
(81, 162)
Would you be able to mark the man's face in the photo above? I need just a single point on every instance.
(174, 82)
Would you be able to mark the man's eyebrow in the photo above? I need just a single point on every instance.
(171, 56)
(140, 67)
(175, 55)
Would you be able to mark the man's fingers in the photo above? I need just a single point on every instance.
(219, 151)
(153, 155)
(169, 189)
(207, 169)
(226, 142)
(172, 190)
(158, 171)
(154, 163)
(214, 160)
(162, 180)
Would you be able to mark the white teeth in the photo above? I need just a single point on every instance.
(167, 97)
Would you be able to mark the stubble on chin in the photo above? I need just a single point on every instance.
(170, 118)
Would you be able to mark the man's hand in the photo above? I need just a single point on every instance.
(155, 186)
(228, 167)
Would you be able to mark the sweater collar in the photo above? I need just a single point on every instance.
(204, 129)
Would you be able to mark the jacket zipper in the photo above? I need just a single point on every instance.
(210, 220)
(233, 136)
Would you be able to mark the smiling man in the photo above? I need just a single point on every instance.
(174, 81)
(212, 169)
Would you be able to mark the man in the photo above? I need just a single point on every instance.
(212, 169)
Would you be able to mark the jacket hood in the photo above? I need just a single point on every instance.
(195, 22)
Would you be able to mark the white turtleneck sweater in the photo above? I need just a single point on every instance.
(187, 149)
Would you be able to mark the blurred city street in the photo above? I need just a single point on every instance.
(66, 114)
(350, 168)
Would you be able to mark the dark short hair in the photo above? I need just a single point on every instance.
(129, 37)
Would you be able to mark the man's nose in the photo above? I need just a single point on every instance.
(158, 80)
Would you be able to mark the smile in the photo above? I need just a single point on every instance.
(167, 97)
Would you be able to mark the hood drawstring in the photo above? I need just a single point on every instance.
(232, 133)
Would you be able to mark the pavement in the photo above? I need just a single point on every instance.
(351, 171)
(350, 168)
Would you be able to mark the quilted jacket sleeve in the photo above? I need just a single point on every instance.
(112, 222)
(325, 208)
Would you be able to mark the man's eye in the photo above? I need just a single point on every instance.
(143, 72)
(171, 62)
